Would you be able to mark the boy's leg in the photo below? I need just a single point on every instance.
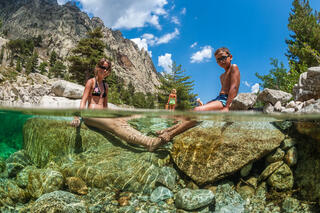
(213, 105)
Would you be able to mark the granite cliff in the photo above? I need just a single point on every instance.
(62, 26)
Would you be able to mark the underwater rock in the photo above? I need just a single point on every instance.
(311, 129)
(269, 170)
(282, 178)
(3, 169)
(159, 194)
(23, 176)
(58, 201)
(189, 199)
(277, 155)
(228, 200)
(77, 185)
(291, 157)
(17, 161)
(42, 181)
(10, 190)
(287, 143)
(167, 177)
(307, 172)
(246, 191)
(246, 170)
(214, 150)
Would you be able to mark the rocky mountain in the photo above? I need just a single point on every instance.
(62, 26)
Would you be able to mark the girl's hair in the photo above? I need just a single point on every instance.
(222, 49)
(173, 90)
(100, 64)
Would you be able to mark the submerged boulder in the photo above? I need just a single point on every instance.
(98, 158)
(214, 150)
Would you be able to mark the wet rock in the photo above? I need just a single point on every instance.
(228, 200)
(269, 170)
(246, 170)
(58, 201)
(268, 108)
(124, 201)
(214, 150)
(290, 205)
(246, 191)
(3, 169)
(42, 181)
(253, 181)
(243, 101)
(307, 172)
(76, 185)
(23, 176)
(282, 178)
(288, 110)
(272, 96)
(277, 155)
(17, 161)
(189, 199)
(277, 106)
(291, 157)
(310, 129)
(10, 190)
(287, 143)
(167, 177)
(159, 194)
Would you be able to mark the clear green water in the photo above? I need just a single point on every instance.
(12, 120)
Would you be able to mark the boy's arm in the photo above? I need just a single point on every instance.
(234, 86)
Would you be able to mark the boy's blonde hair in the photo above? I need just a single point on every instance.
(222, 49)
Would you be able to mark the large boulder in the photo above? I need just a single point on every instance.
(273, 96)
(308, 86)
(67, 89)
(243, 101)
(214, 150)
(98, 158)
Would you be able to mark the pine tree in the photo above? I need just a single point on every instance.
(304, 45)
(42, 68)
(303, 48)
(32, 63)
(182, 83)
(1, 54)
(86, 55)
(58, 69)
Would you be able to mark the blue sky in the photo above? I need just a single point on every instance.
(189, 31)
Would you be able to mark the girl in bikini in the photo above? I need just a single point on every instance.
(96, 95)
(172, 100)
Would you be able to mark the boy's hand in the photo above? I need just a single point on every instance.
(225, 109)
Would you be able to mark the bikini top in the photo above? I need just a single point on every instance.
(96, 90)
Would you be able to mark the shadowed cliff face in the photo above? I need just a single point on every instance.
(62, 26)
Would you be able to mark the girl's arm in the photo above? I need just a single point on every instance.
(105, 102)
(86, 93)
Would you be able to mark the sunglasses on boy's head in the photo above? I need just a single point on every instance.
(223, 58)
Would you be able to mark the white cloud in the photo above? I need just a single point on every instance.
(194, 44)
(203, 55)
(168, 37)
(175, 20)
(142, 43)
(246, 83)
(255, 88)
(165, 62)
(183, 11)
(125, 14)
(153, 40)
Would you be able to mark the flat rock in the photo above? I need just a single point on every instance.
(215, 150)
(189, 199)
(67, 89)
(243, 101)
(273, 96)
(98, 158)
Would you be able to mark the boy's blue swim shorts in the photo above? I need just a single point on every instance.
(222, 98)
